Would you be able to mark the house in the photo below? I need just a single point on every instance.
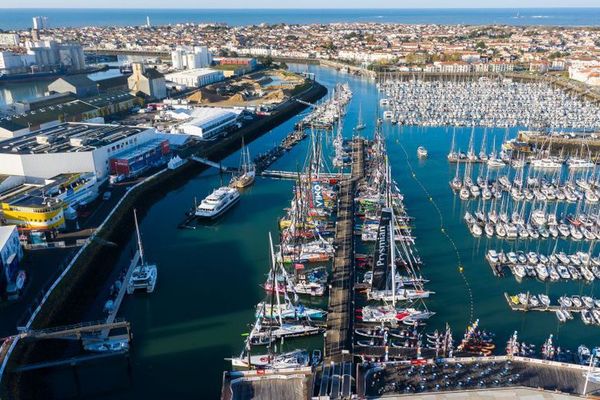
(79, 85)
(147, 81)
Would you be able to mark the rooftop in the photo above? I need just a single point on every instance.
(67, 138)
(192, 73)
(53, 112)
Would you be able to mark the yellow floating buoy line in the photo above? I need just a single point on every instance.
(461, 268)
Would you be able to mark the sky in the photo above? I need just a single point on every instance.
(304, 4)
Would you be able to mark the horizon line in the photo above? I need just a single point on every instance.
(301, 8)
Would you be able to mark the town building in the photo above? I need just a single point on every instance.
(147, 81)
(39, 23)
(196, 77)
(9, 39)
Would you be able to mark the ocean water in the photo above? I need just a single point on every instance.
(21, 18)
(209, 278)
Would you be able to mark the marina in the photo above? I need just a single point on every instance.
(483, 101)
(238, 244)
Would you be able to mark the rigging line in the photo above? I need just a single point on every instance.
(442, 228)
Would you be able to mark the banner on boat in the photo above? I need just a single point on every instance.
(381, 257)
(317, 197)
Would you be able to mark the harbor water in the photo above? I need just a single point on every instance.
(209, 278)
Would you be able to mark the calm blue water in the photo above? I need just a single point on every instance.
(21, 18)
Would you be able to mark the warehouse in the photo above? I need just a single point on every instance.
(196, 77)
(133, 162)
(206, 122)
(53, 114)
(69, 148)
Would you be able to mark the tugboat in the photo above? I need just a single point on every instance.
(422, 152)
(144, 275)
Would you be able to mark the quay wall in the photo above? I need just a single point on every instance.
(95, 262)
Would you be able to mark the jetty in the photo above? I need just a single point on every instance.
(294, 175)
(340, 316)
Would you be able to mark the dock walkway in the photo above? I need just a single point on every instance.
(340, 317)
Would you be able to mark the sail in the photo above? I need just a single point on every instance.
(381, 260)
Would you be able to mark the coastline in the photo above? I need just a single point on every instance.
(89, 269)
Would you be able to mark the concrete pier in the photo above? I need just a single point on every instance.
(340, 317)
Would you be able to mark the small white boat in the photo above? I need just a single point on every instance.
(422, 152)
(108, 345)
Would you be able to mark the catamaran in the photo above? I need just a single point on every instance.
(247, 173)
(217, 203)
(144, 275)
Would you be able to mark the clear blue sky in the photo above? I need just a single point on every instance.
(303, 4)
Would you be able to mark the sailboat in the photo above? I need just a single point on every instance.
(144, 275)
(247, 173)
(360, 125)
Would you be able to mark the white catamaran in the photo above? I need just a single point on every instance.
(144, 275)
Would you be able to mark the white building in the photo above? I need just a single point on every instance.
(11, 62)
(49, 53)
(196, 77)
(587, 75)
(69, 148)
(9, 39)
(40, 23)
(206, 122)
(191, 58)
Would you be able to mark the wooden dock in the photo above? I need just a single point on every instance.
(340, 317)
(294, 175)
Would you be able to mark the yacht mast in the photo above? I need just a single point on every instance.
(139, 238)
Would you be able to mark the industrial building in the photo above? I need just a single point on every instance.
(191, 58)
(69, 148)
(55, 112)
(206, 122)
(134, 162)
(196, 77)
(79, 85)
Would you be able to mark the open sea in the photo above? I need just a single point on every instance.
(21, 18)
(209, 278)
